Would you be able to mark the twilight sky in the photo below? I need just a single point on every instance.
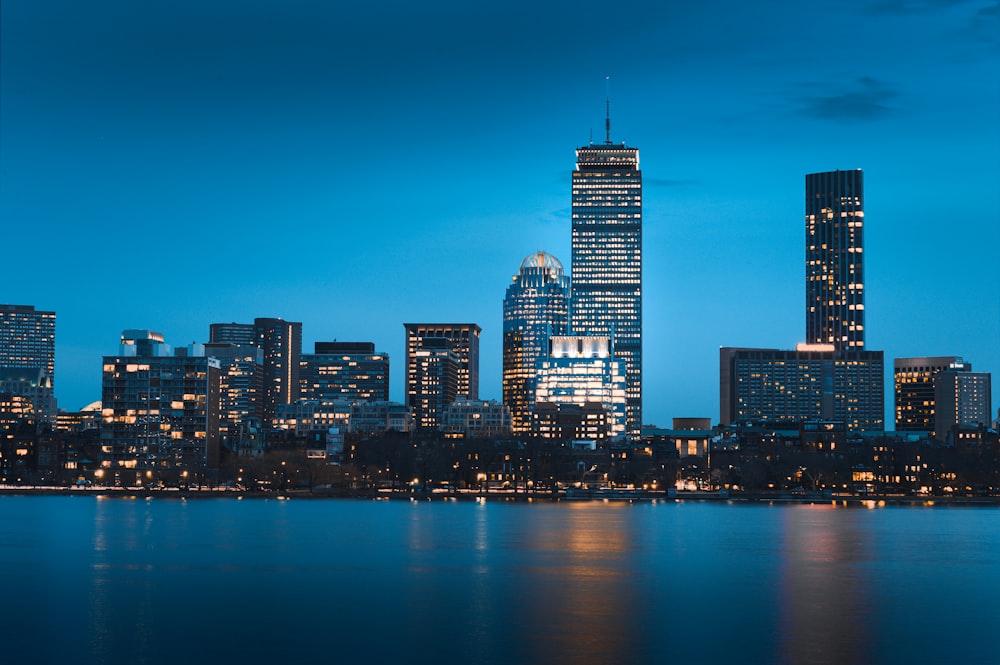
(169, 164)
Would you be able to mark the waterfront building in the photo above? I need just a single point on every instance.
(587, 422)
(835, 295)
(307, 417)
(27, 344)
(344, 371)
(281, 342)
(160, 409)
(18, 435)
(379, 416)
(962, 398)
(581, 370)
(469, 418)
(606, 266)
(241, 395)
(432, 372)
(464, 342)
(813, 382)
(535, 307)
(914, 389)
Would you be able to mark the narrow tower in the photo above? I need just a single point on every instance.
(607, 257)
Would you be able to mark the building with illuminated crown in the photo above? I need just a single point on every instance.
(535, 307)
(607, 258)
(835, 276)
(581, 371)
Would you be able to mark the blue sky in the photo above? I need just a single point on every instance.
(168, 164)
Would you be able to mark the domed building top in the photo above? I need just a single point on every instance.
(542, 260)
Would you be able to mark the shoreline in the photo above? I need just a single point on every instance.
(605, 496)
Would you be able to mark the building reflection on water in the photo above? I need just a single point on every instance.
(825, 611)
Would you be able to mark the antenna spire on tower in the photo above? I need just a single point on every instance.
(607, 110)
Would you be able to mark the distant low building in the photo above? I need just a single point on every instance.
(379, 416)
(475, 419)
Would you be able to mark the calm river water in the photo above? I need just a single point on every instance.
(101, 580)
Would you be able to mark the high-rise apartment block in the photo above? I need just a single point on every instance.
(432, 371)
(935, 394)
(835, 276)
(535, 307)
(607, 258)
(344, 371)
(160, 410)
(281, 342)
(436, 352)
(241, 395)
(813, 382)
(961, 399)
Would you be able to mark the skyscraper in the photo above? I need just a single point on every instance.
(464, 338)
(607, 258)
(27, 338)
(344, 371)
(27, 357)
(835, 277)
(535, 307)
(281, 342)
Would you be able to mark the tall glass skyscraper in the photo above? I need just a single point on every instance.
(835, 276)
(607, 259)
(535, 308)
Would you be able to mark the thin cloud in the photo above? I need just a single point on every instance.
(865, 99)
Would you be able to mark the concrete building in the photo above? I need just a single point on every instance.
(160, 409)
(464, 342)
(813, 382)
(281, 342)
(914, 389)
(380, 416)
(535, 307)
(467, 418)
(344, 371)
(241, 396)
(961, 399)
(27, 344)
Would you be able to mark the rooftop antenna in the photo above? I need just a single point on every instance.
(607, 110)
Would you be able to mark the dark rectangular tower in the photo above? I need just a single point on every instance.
(835, 276)
(607, 259)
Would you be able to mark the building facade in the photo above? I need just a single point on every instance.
(432, 379)
(344, 371)
(464, 339)
(535, 307)
(606, 266)
(580, 370)
(241, 396)
(160, 410)
(914, 389)
(813, 382)
(835, 277)
(469, 418)
(281, 342)
(961, 399)
(27, 345)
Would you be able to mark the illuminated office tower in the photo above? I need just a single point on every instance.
(535, 307)
(961, 399)
(835, 276)
(432, 372)
(915, 393)
(582, 372)
(607, 258)
(160, 409)
(281, 342)
(241, 394)
(464, 338)
(27, 357)
(344, 371)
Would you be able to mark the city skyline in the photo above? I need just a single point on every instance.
(182, 177)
